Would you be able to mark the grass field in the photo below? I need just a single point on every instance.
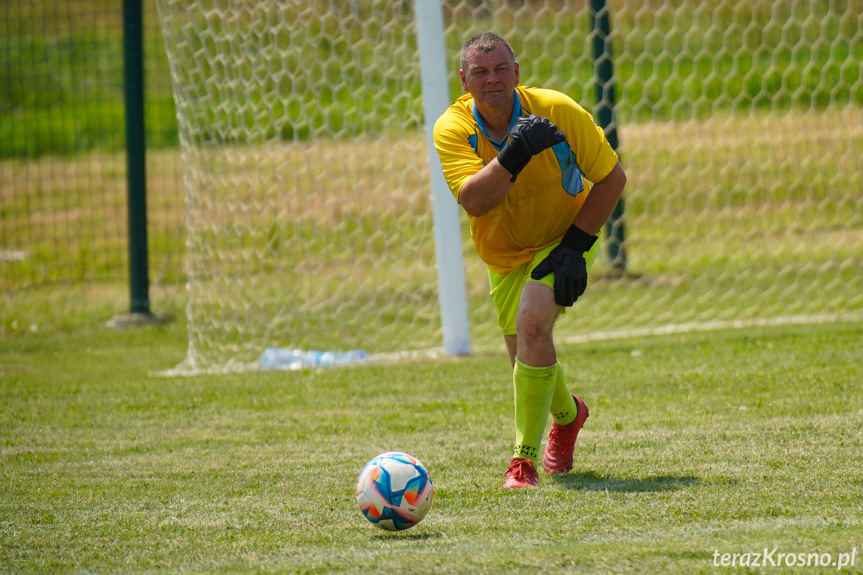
(728, 442)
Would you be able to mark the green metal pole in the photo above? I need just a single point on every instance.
(133, 58)
(604, 71)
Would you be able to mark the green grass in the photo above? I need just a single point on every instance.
(730, 441)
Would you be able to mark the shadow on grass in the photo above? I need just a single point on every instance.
(591, 481)
(407, 535)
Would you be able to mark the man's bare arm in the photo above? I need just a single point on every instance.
(485, 189)
(600, 202)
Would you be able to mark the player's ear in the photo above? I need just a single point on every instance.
(517, 75)
(463, 80)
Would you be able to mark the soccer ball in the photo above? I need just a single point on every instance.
(394, 491)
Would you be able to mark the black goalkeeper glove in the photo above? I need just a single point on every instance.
(529, 136)
(566, 261)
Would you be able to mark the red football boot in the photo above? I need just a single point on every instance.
(520, 474)
(557, 457)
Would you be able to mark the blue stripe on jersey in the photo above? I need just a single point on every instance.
(570, 172)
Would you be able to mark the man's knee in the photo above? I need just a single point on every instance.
(535, 319)
(533, 328)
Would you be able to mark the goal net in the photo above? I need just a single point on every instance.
(309, 214)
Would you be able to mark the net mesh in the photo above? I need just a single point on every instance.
(740, 126)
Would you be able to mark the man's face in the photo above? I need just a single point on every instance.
(490, 77)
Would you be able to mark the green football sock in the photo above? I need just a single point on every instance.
(563, 407)
(533, 388)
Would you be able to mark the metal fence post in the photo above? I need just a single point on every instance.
(136, 178)
(604, 71)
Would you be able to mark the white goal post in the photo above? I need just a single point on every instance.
(447, 232)
(318, 217)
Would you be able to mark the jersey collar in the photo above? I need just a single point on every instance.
(517, 112)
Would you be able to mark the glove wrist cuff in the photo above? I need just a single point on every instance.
(577, 239)
(512, 160)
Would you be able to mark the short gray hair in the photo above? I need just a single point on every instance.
(483, 42)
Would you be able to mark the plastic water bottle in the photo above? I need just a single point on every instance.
(289, 359)
(296, 359)
(344, 357)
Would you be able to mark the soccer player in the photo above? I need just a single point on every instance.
(538, 180)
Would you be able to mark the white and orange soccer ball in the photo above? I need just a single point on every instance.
(394, 491)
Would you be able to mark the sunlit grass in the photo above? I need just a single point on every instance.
(730, 441)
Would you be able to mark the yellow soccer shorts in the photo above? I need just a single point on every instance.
(506, 288)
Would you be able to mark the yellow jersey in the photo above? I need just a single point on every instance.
(549, 191)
